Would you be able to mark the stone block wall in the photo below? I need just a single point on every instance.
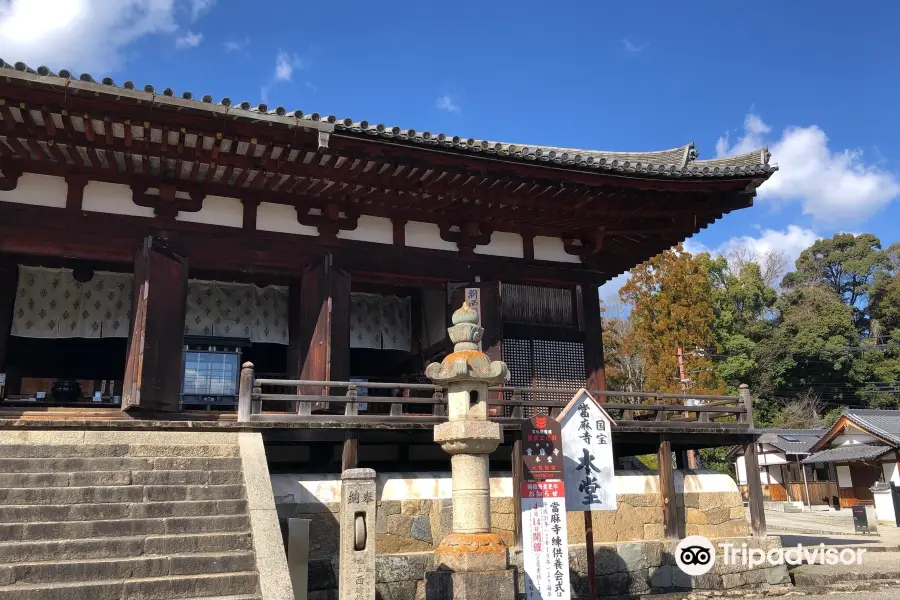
(623, 568)
(414, 514)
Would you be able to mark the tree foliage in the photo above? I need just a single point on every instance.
(827, 338)
(847, 264)
(671, 300)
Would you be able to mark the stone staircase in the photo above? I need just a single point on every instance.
(124, 522)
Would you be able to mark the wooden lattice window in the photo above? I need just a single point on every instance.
(545, 364)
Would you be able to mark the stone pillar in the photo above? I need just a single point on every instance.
(472, 561)
(357, 559)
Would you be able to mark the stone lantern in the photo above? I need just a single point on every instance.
(476, 558)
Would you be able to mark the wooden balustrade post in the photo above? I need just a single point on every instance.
(350, 451)
(245, 392)
(667, 488)
(754, 491)
(748, 404)
(256, 405)
(517, 476)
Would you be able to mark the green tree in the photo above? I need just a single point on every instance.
(847, 264)
(815, 331)
(884, 302)
(742, 302)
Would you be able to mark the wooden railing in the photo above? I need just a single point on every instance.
(513, 403)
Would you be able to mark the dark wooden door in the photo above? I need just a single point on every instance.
(154, 366)
(319, 322)
(863, 476)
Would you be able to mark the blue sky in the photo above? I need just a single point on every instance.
(818, 82)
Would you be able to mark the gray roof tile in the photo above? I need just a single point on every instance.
(848, 452)
(680, 162)
(883, 423)
(783, 439)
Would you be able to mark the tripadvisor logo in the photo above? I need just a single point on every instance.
(695, 555)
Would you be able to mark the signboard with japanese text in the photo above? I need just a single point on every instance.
(541, 452)
(588, 455)
(544, 540)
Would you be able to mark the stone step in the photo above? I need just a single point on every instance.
(40, 551)
(116, 494)
(125, 568)
(123, 477)
(120, 510)
(119, 450)
(71, 530)
(62, 465)
(151, 588)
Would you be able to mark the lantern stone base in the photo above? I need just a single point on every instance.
(471, 552)
(478, 585)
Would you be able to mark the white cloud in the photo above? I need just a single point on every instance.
(198, 7)
(832, 186)
(188, 39)
(632, 47)
(239, 46)
(286, 63)
(447, 102)
(790, 241)
(88, 35)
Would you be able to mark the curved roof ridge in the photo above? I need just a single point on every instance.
(677, 162)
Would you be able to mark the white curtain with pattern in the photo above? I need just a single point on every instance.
(50, 303)
(380, 322)
(237, 310)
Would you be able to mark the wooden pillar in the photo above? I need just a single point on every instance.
(491, 319)
(350, 451)
(754, 491)
(319, 322)
(594, 370)
(667, 488)
(9, 281)
(518, 476)
(154, 367)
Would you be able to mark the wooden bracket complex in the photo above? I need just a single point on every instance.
(329, 220)
(584, 245)
(166, 204)
(467, 236)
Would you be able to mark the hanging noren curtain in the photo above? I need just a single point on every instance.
(380, 322)
(50, 303)
(237, 310)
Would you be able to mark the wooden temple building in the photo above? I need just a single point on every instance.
(151, 242)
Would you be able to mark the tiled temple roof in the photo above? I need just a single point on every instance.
(883, 423)
(848, 452)
(680, 162)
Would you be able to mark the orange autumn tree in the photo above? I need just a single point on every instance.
(670, 298)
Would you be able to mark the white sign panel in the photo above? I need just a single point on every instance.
(544, 540)
(588, 455)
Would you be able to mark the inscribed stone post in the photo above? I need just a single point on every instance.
(357, 558)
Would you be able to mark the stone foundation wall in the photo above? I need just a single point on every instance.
(414, 514)
(622, 568)
(709, 504)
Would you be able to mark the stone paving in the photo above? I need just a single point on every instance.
(838, 523)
